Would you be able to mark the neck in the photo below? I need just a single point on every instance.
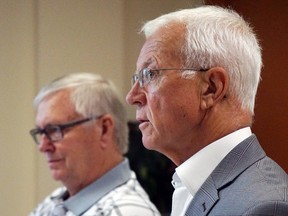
(77, 184)
(216, 124)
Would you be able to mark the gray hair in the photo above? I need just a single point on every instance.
(218, 37)
(92, 95)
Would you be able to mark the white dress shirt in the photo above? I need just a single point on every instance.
(191, 174)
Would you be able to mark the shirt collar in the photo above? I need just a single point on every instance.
(81, 201)
(192, 176)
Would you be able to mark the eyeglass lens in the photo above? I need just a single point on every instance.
(54, 133)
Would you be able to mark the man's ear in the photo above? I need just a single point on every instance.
(214, 87)
(107, 128)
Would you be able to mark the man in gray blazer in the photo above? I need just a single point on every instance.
(194, 90)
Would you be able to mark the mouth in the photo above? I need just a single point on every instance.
(143, 123)
(54, 162)
(141, 120)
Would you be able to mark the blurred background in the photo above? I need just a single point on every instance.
(43, 39)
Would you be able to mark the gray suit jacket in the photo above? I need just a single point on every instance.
(246, 182)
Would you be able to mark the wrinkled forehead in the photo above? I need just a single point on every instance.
(163, 46)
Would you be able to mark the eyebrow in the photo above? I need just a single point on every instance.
(146, 64)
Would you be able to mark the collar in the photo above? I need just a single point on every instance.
(192, 176)
(88, 196)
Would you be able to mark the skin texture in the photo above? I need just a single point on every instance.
(87, 150)
(178, 116)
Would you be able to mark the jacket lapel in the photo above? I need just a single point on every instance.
(204, 199)
(239, 159)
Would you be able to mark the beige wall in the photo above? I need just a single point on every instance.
(17, 87)
(41, 40)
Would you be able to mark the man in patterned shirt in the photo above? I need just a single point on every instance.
(81, 128)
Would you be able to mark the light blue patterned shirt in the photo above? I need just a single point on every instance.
(117, 193)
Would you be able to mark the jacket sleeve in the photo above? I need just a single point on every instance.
(275, 208)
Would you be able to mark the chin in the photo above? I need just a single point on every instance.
(57, 176)
(148, 144)
(148, 147)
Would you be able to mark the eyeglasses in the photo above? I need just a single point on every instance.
(55, 132)
(145, 75)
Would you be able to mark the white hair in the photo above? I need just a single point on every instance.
(218, 37)
(92, 95)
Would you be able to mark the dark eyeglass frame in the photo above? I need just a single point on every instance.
(58, 129)
(144, 75)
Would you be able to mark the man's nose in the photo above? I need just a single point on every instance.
(45, 144)
(129, 97)
(135, 95)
